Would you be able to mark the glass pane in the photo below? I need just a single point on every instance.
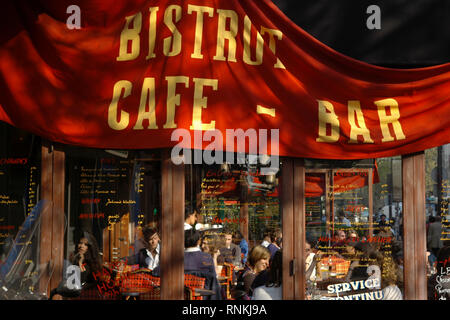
(353, 249)
(20, 214)
(437, 180)
(239, 219)
(351, 203)
(114, 204)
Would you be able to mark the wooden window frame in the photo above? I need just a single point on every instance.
(292, 198)
(414, 226)
(53, 220)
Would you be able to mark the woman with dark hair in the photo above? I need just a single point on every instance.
(439, 283)
(272, 289)
(360, 256)
(87, 257)
(310, 260)
(211, 244)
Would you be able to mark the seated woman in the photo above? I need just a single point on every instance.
(272, 289)
(439, 283)
(359, 255)
(87, 258)
(211, 244)
(310, 261)
(257, 263)
(389, 280)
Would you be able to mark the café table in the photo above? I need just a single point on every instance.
(203, 292)
(133, 293)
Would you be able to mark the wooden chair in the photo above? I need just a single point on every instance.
(104, 289)
(227, 278)
(98, 292)
(140, 284)
(192, 282)
(154, 293)
(338, 265)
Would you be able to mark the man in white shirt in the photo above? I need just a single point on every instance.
(153, 250)
(266, 240)
(147, 257)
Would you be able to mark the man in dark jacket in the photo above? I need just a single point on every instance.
(147, 257)
(194, 258)
(200, 263)
(231, 253)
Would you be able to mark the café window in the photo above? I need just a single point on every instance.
(239, 219)
(113, 204)
(20, 213)
(437, 181)
(354, 247)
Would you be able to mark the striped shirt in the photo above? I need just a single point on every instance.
(392, 292)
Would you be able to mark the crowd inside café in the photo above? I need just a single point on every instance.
(220, 264)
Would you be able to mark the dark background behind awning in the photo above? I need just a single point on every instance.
(413, 33)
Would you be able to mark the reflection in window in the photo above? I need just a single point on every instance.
(437, 180)
(239, 219)
(353, 244)
(113, 209)
(19, 213)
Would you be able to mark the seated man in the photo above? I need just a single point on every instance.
(194, 258)
(230, 253)
(147, 257)
(275, 245)
(243, 244)
(340, 241)
(200, 263)
(266, 239)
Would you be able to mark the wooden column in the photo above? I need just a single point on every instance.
(53, 221)
(46, 193)
(414, 229)
(299, 229)
(287, 208)
(293, 223)
(172, 229)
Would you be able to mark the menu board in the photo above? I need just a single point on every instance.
(110, 190)
(223, 196)
(351, 201)
(314, 210)
(19, 183)
(264, 215)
